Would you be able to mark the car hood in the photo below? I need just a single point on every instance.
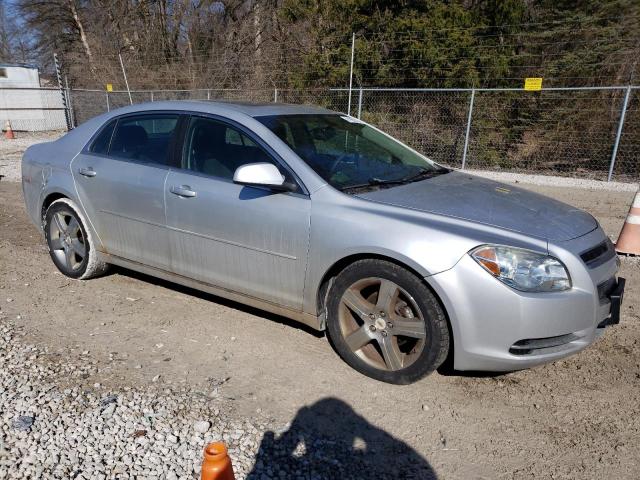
(476, 199)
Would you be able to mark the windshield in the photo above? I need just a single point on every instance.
(349, 154)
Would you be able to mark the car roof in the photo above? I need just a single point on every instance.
(248, 108)
(264, 109)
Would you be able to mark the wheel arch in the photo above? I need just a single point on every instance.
(50, 194)
(344, 262)
(49, 199)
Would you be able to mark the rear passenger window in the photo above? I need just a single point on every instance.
(101, 144)
(217, 149)
(145, 138)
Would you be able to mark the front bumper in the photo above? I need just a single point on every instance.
(496, 328)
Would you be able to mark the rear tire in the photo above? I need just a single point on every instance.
(71, 246)
(386, 323)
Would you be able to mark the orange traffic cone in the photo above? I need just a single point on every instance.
(216, 464)
(9, 132)
(629, 238)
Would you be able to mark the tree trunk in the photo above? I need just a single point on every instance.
(83, 35)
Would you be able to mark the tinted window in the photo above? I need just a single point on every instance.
(101, 143)
(145, 138)
(234, 137)
(217, 149)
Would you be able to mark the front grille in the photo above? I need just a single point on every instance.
(541, 345)
(599, 254)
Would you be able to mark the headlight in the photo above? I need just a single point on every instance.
(523, 270)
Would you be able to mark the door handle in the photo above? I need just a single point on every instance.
(183, 191)
(88, 172)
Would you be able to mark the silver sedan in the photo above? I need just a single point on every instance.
(325, 219)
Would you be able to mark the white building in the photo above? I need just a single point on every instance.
(25, 104)
(15, 75)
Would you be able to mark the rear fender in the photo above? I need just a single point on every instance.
(60, 183)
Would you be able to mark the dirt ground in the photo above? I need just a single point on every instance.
(576, 418)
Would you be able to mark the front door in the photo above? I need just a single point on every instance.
(249, 240)
(120, 180)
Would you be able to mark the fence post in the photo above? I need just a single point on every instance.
(126, 82)
(353, 48)
(625, 103)
(72, 116)
(64, 97)
(466, 136)
(360, 103)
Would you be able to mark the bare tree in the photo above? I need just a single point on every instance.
(81, 33)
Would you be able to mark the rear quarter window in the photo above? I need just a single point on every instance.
(100, 144)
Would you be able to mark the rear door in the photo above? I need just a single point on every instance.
(245, 239)
(120, 180)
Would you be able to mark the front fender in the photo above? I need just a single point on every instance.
(428, 244)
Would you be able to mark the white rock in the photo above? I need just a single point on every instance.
(108, 411)
(201, 426)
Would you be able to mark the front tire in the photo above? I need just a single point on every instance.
(71, 247)
(386, 323)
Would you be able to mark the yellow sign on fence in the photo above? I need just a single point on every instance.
(533, 84)
(109, 87)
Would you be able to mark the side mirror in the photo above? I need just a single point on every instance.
(262, 175)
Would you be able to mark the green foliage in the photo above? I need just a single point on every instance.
(461, 44)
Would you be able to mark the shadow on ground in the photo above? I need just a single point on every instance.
(214, 298)
(328, 440)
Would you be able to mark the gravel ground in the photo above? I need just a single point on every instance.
(551, 181)
(56, 425)
(126, 376)
(51, 430)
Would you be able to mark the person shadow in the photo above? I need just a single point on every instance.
(328, 440)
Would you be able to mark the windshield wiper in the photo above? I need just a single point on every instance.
(372, 182)
(376, 182)
(424, 174)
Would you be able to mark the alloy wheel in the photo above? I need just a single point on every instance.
(382, 324)
(67, 240)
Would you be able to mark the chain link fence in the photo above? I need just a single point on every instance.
(627, 164)
(579, 132)
(32, 109)
(86, 104)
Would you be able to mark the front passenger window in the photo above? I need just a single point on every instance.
(144, 138)
(217, 149)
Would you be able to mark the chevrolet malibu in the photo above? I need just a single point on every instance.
(325, 219)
